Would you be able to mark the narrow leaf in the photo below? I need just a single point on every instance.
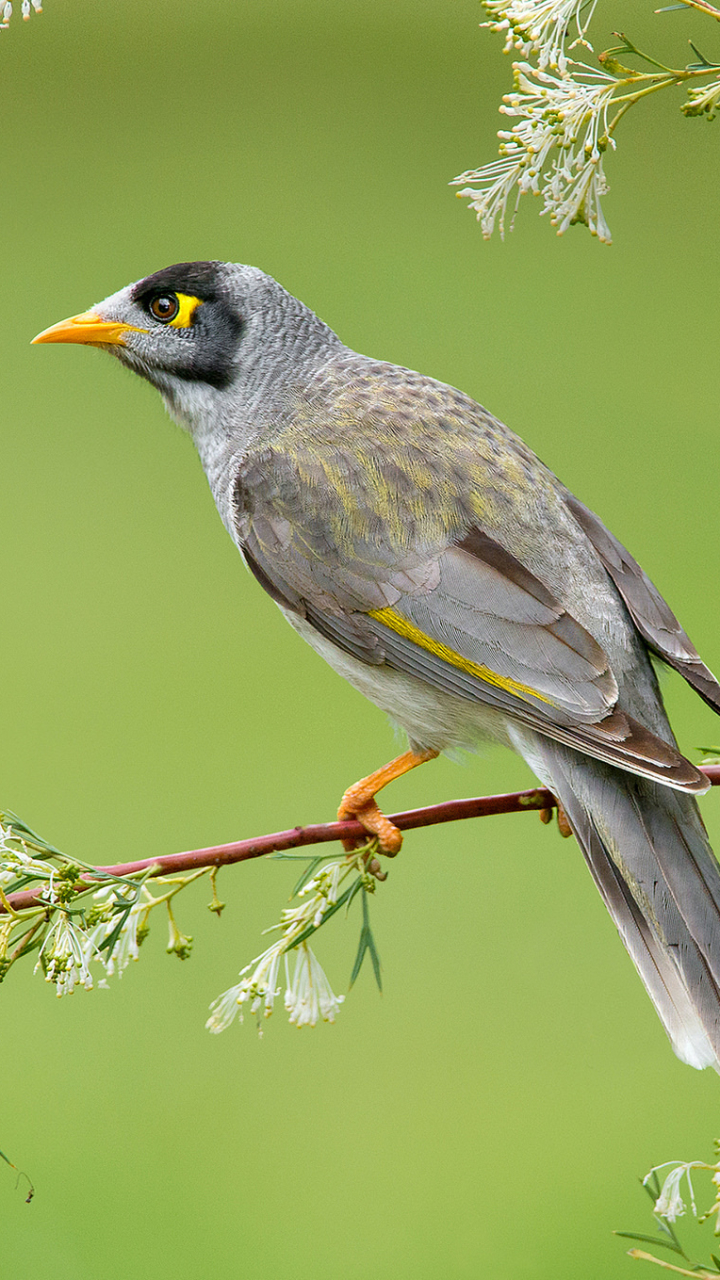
(312, 928)
(703, 60)
(355, 888)
(371, 942)
(362, 948)
(306, 875)
(375, 962)
(109, 942)
(652, 1187)
(656, 1240)
(366, 943)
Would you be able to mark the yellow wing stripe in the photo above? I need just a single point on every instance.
(402, 627)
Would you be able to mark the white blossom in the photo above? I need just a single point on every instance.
(309, 996)
(126, 947)
(258, 988)
(26, 8)
(670, 1204)
(555, 150)
(541, 26)
(63, 956)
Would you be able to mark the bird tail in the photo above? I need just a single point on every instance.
(649, 855)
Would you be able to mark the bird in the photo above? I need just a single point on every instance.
(426, 553)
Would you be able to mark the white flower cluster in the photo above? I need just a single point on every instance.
(555, 150)
(126, 947)
(308, 995)
(541, 26)
(69, 947)
(25, 8)
(670, 1203)
(64, 956)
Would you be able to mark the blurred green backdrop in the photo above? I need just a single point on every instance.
(489, 1114)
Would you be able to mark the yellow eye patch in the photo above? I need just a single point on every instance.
(187, 307)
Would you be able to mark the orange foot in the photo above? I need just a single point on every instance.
(562, 819)
(359, 802)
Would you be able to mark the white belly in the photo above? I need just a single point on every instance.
(431, 719)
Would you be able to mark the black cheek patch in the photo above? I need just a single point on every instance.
(209, 348)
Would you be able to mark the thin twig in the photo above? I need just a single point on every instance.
(221, 855)
(642, 1256)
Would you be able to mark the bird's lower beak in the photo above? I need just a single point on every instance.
(89, 328)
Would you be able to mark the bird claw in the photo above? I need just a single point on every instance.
(389, 838)
(562, 819)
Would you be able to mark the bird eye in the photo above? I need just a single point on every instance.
(164, 307)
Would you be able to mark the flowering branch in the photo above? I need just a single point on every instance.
(669, 1205)
(74, 915)
(564, 111)
(222, 855)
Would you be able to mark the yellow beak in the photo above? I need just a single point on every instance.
(89, 328)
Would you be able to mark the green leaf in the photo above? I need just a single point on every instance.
(703, 60)
(355, 887)
(367, 943)
(109, 942)
(306, 875)
(656, 1240)
(671, 8)
(17, 824)
(313, 928)
(652, 1187)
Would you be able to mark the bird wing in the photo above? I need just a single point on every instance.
(652, 616)
(367, 526)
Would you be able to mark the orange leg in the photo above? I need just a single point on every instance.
(359, 801)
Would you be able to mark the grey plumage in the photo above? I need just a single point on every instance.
(437, 564)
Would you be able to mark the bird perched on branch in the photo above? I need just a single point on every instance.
(426, 553)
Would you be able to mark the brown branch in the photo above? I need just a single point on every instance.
(222, 855)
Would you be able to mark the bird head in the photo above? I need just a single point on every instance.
(208, 335)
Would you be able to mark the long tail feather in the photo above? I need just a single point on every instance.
(649, 855)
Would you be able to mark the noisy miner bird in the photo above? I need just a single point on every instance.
(426, 553)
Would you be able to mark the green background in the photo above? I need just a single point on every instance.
(490, 1113)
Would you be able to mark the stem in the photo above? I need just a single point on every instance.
(180, 882)
(642, 1256)
(628, 100)
(22, 944)
(702, 6)
(220, 855)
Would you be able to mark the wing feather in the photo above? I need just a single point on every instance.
(652, 616)
(391, 564)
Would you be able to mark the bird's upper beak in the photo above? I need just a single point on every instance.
(89, 328)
